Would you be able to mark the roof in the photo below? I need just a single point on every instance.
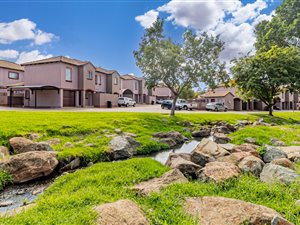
(63, 59)
(105, 71)
(130, 77)
(11, 65)
(212, 94)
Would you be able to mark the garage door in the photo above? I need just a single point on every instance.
(69, 98)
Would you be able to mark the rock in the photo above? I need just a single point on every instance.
(68, 145)
(297, 203)
(221, 138)
(207, 151)
(251, 148)
(228, 147)
(6, 203)
(53, 141)
(118, 131)
(234, 158)
(156, 184)
(222, 129)
(122, 212)
(17, 211)
(171, 138)
(122, 147)
(38, 191)
(90, 164)
(272, 173)
(30, 165)
(33, 136)
(293, 152)
(227, 211)
(20, 144)
(242, 123)
(188, 124)
(4, 152)
(284, 162)
(251, 164)
(172, 156)
(273, 153)
(250, 140)
(75, 163)
(203, 132)
(277, 142)
(218, 172)
(188, 168)
(277, 220)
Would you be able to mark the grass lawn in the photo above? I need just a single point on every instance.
(71, 198)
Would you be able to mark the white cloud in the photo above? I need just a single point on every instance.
(23, 29)
(147, 19)
(31, 56)
(9, 54)
(232, 20)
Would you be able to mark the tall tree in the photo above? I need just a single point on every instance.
(283, 28)
(267, 74)
(179, 66)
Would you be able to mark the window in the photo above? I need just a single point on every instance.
(68, 74)
(13, 75)
(115, 81)
(90, 75)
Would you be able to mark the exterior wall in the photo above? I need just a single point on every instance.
(101, 87)
(228, 100)
(162, 93)
(45, 99)
(4, 80)
(130, 84)
(113, 87)
(3, 97)
(88, 84)
(100, 99)
(74, 73)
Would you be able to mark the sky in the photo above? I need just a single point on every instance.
(107, 32)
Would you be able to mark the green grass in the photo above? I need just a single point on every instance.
(5, 179)
(71, 198)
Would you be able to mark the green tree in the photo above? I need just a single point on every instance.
(281, 29)
(188, 93)
(267, 74)
(179, 66)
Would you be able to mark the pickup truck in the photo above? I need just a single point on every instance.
(187, 105)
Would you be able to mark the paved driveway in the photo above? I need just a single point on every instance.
(138, 108)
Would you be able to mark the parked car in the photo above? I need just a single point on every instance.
(216, 106)
(124, 101)
(167, 104)
(159, 101)
(186, 105)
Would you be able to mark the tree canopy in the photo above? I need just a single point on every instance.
(281, 29)
(179, 66)
(267, 74)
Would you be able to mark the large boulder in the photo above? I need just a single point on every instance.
(4, 152)
(171, 138)
(218, 172)
(293, 152)
(122, 147)
(122, 212)
(156, 184)
(227, 211)
(284, 162)
(251, 164)
(173, 156)
(251, 148)
(207, 151)
(29, 165)
(221, 138)
(273, 153)
(234, 158)
(272, 173)
(203, 132)
(277, 142)
(188, 168)
(22, 145)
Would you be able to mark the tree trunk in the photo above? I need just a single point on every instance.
(174, 105)
(270, 110)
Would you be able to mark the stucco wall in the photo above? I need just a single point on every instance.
(162, 92)
(100, 99)
(4, 80)
(101, 87)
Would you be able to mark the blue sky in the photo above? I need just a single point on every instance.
(107, 32)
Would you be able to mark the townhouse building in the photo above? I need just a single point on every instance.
(11, 74)
(64, 82)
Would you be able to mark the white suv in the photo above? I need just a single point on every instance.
(124, 101)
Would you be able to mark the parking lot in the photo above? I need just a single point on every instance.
(139, 108)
